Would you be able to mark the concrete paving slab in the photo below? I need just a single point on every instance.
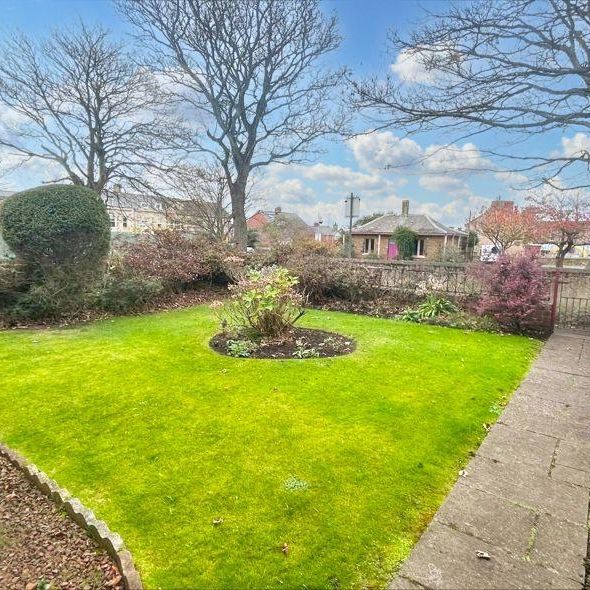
(572, 476)
(559, 389)
(560, 546)
(548, 417)
(447, 559)
(401, 583)
(524, 485)
(575, 455)
(516, 445)
(489, 518)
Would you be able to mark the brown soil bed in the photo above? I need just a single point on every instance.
(41, 547)
(301, 343)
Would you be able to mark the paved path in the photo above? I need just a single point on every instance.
(524, 497)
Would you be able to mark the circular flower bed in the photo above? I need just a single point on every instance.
(298, 343)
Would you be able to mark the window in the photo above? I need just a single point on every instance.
(113, 221)
(369, 245)
(420, 250)
(124, 221)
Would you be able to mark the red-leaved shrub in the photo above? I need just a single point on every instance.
(513, 289)
(180, 260)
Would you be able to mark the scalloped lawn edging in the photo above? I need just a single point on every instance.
(111, 542)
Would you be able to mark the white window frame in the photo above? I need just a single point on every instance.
(369, 242)
(420, 248)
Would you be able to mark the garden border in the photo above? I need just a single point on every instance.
(111, 542)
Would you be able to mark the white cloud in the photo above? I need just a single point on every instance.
(576, 145)
(442, 183)
(511, 177)
(341, 178)
(442, 159)
(10, 119)
(409, 67)
(377, 151)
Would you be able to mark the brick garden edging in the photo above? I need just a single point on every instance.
(111, 542)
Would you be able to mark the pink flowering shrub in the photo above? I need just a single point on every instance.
(513, 289)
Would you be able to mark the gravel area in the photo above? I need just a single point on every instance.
(42, 549)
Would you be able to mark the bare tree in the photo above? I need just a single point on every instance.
(79, 102)
(202, 200)
(249, 72)
(520, 66)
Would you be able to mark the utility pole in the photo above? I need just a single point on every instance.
(351, 209)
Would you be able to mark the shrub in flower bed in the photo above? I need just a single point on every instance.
(322, 277)
(514, 290)
(263, 303)
(259, 320)
(441, 311)
(179, 260)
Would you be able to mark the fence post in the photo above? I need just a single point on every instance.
(555, 297)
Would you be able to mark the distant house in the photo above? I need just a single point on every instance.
(374, 238)
(132, 213)
(278, 226)
(323, 233)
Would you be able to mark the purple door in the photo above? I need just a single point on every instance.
(391, 250)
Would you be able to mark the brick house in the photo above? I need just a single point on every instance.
(279, 225)
(374, 238)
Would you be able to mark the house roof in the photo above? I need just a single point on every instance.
(136, 201)
(277, 216)
(423, 225)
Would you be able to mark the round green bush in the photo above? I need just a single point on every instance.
(56, 224)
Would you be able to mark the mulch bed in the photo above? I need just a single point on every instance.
(300, 343)
(42, 548)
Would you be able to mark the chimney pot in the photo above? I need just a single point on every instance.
(405, 207)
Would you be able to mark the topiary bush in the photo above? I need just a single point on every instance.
(63, 225)
(61, 236)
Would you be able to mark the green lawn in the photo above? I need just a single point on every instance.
(160, 436)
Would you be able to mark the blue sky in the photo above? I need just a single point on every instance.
(439, 185)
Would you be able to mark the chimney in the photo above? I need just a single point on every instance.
(277, 210)
(405, 207)
(117, 189)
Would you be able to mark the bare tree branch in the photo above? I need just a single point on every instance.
(518, 66)
(80, 102)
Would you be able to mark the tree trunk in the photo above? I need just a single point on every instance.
(561, 252)
(238, 209)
